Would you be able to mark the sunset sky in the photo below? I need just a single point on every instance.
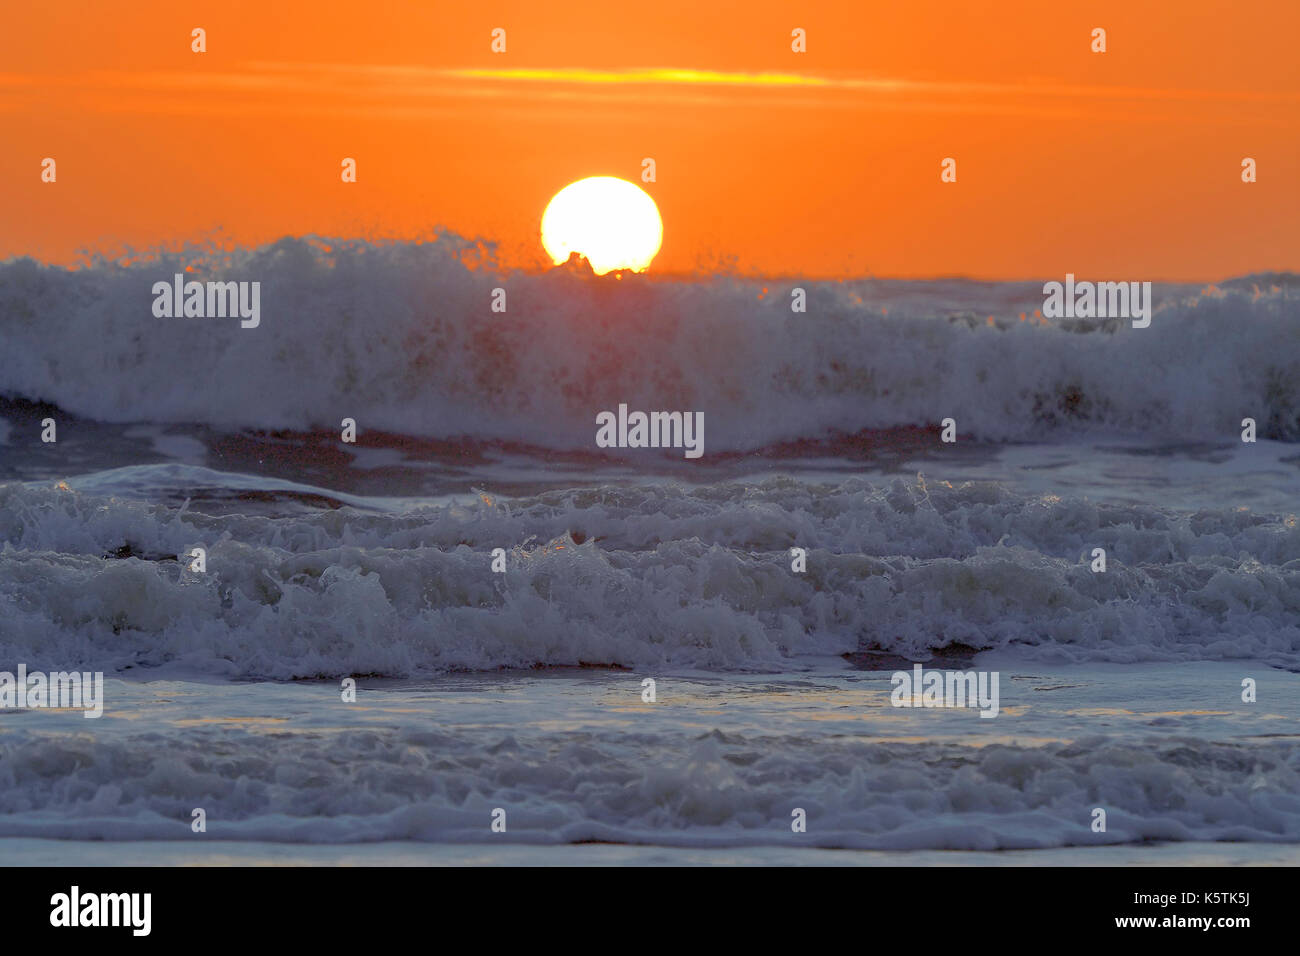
(1118, 165)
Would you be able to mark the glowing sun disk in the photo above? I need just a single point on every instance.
(610, 221)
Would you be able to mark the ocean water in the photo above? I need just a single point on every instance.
(522, 690)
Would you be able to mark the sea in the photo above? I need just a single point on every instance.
(472, 635)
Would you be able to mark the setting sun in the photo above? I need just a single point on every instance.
(612, 222)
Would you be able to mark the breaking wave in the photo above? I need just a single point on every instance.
(401, 336)
(657, 575)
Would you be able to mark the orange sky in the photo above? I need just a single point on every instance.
(1117, 165)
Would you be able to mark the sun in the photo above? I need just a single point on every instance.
(611, 221)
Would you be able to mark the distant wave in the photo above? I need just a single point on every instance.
(401, 336)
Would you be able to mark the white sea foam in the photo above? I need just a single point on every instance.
(637, 576)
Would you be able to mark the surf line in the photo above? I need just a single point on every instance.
(653, 430)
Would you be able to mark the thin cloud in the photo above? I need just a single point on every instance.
(400, 86)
